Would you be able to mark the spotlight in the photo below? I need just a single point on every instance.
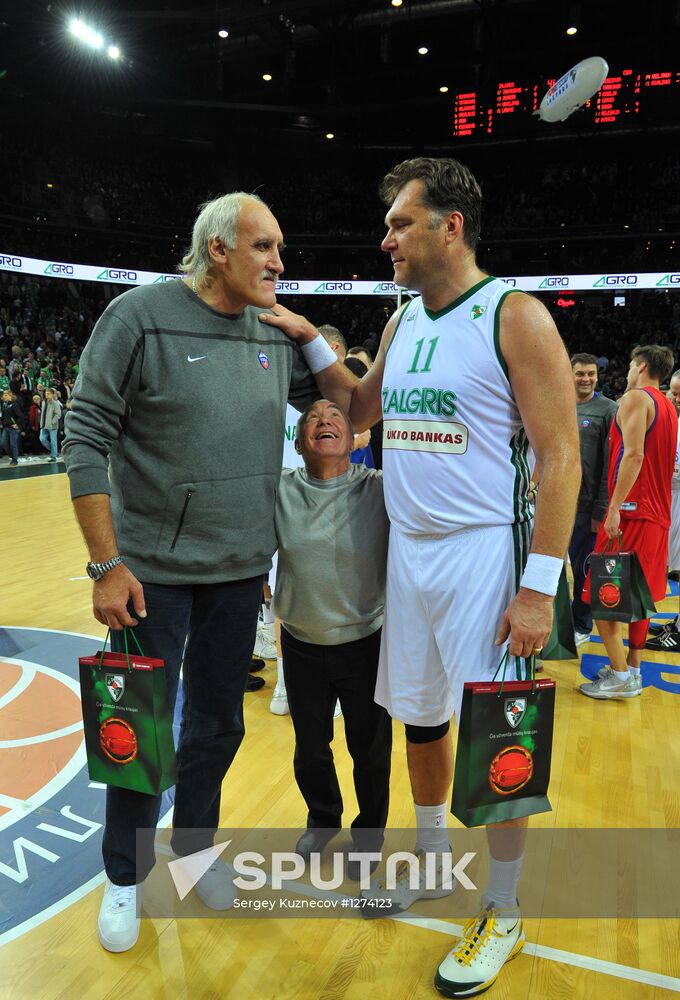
(443, 90)
(397, 3)
(267, 77)
(113, 52)
(330, 135)
(85, 33)
(423, 50)
(572, 30)
(223, 33)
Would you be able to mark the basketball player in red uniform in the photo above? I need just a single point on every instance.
(642, 444)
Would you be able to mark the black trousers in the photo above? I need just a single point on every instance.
(580, 548)
(315, 677)
(217, 621)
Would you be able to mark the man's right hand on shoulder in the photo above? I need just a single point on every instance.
(295, 326)
(110, 597)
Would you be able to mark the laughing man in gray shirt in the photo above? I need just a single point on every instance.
(330, 590)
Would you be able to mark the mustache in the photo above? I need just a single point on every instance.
(269, 274)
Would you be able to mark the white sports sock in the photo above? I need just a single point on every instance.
(634, 671)
(267, 615)
(431, 832)
(280, 689)
(503, 880)
(622, 675)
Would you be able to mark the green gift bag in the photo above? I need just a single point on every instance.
(504, 749)
(618, 587)
(562, 644)
(127, 720)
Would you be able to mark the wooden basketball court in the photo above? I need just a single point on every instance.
(615, 764)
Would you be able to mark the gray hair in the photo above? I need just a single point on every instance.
(217, 218)
(676, 374)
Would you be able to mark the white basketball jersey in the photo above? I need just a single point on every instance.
(454, 448)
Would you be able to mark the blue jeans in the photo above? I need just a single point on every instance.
(580, 547)
(218, 622)
(48, 439)
(9, 439)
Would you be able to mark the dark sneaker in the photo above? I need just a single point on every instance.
(656, 628)
(665, 642)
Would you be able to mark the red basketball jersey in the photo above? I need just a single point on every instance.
(650, 497)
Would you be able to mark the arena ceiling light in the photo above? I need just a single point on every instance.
(92, 38)
(84, 33)
(223, 33)
(423, 50)
(572, 30)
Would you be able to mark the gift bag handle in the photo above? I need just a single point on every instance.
(530, 671)
(125, 640)
(612, 542)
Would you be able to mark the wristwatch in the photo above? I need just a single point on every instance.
(96, 571)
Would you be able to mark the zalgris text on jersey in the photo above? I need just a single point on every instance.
(437, 402)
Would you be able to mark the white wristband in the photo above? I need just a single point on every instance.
(542, 573)
(318, 355)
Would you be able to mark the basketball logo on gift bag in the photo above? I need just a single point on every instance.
(510, 770)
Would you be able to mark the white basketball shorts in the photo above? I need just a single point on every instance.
(674, 534)
(444, 604)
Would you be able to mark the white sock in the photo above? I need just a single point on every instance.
(267, 615)
(503, 881)
(622, 675)
(280, 689)
(431, 832)
(634, 671)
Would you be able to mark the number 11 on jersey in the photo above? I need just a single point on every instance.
(416, 356)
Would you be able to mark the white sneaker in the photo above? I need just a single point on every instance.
(279, 703)
(265, 642)
(581, 637)
(118, 922)
(337, 711)
(216, 887)
(610, 687)
(489, 941)
(403, 896)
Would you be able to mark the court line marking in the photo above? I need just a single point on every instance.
(27, 741)
(575, 959)
(63, 904)
(537, 950)
(22, 683)
(68, 772)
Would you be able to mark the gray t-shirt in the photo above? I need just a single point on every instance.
(333, 533)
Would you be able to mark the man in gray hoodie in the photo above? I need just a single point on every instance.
(178, 512)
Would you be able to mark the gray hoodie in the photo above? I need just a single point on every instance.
(178, 414)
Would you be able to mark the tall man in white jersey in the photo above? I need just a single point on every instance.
(466, 377)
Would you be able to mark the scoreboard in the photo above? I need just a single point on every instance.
(631, 97)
